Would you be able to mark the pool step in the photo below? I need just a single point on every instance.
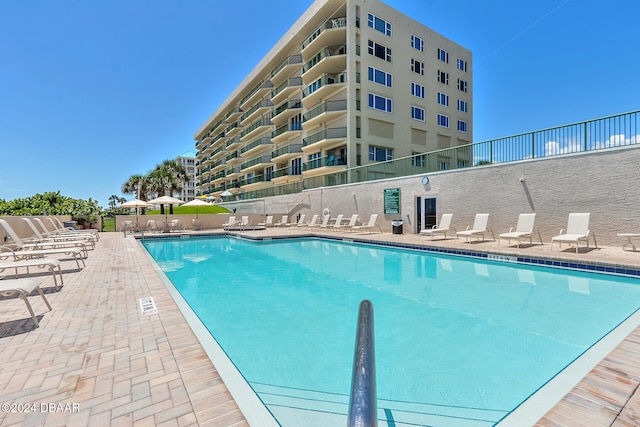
(293, 407)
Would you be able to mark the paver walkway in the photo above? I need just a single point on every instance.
(96, 360)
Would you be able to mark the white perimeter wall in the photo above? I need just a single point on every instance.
(605, 183)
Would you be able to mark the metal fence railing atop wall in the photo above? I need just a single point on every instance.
(591, 135)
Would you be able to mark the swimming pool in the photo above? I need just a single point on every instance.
(458, 340)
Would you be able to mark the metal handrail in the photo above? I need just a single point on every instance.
(363, 407)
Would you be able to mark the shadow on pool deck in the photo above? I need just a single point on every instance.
(97, 350)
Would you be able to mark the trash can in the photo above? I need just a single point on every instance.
(71, 224)
(396, 227)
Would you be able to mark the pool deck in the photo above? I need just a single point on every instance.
(96, 359)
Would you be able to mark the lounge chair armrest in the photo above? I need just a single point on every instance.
(510, 229)
(561, 231)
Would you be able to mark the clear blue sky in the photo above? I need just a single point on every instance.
(92, 92)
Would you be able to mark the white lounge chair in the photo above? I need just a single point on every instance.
(299, 221)
(524, 229)
(577, 230)
(335, 224)
(61, 242)
(57, 225)
(244, 222)
(310, 224)
(23, 287)
(283, 221)
(442, 228)
(478, 228)
(62, 234)
(52, 264)
(369, 225)
(352, 223)
(231, 222)
(323, 224)
(268, 222)
(29, 249)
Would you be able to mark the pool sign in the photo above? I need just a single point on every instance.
(391, 201)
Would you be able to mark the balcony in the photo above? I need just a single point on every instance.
(285, 175)
(233, 129)
(286, 89)
(256, 93)
(323, 88)
(255, 129)
(255, 146)
(327, 164)
(257, 110)
(232, 172)
(327, 111)
(331, 32)
(282, 113)
(282, 154)
(325, 139)
(233, 114)
(285, 68)
(330, 60)
(233, 158)
(257, 163)
(233, 143)
(286, 131)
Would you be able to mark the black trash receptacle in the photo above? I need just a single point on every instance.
(396, 227)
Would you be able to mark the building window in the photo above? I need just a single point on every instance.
(296, 166)
(380, 51)
(380, 103)
(417, 113)
(417, 43)
(379, 154)
(462, 85)
(443, 99)
(417, 66)
(418, 160)
(268, 173)
(462, 64)
(380, 77)
(417, 90)
(443, 55)
(443, 77)
(443, 120)
(379, 24)
(443, 166)
(462, 106)
(462, 126)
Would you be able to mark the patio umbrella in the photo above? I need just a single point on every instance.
(136, 203)
(226, 193)
(166, 200)
(196, 203)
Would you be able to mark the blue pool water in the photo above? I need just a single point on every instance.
(456, 338)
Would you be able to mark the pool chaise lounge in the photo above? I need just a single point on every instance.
(442, 228)
(23, 287)
(577, 230)
(479, 228)
(63, 232)
(25, 250)
(51, 263)
(46, 234)
(369, 225)
(40, 240)
(524, 229)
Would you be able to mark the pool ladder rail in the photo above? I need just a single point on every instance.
(362, 401)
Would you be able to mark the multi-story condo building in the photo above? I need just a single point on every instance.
(352, 82)
(188, 160)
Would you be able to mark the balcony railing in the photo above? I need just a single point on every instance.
(327, 25)
(265, 103)
(324, 53)
(292, 60)
(286, 128)
(262, 85)
(286, 106)
(291, 82)
(329, 160)
(324, 81)
(256, 143)
(256, 161)
(288, 149)
(331, 133)
(324, 108)
(255, 125)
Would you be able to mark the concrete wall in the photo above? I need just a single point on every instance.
(603, 183)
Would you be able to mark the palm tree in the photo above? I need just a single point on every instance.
(137, 184)
(169, 176)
